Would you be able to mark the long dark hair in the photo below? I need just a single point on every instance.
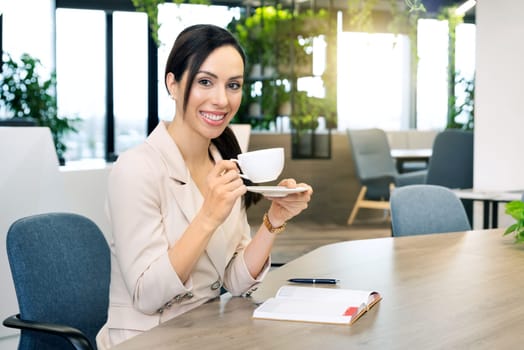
(191, 48)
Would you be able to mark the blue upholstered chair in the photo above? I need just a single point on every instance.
(376, 170)
(423, 209)
(451, 163)
(60, 264)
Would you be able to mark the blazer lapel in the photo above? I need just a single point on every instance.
(216, 248)
(186, 193)
(177, 171)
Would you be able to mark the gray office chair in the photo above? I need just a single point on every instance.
(376, 170)
(451, 163)
(60, 264)
(424, 209)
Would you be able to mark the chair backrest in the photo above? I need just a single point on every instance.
(451, 163)
(374, 166)
(423, 209)
(371, 153)
(60, 264)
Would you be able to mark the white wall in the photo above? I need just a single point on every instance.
(85, 186)
(499, 98)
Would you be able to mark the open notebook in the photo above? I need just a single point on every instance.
(316, 304)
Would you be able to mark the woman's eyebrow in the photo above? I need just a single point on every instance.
(240, 76)
(208, 73)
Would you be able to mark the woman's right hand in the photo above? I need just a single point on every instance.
(225, 186)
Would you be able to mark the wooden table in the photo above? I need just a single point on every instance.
(410, 155)
(490, 202)
(443, 291)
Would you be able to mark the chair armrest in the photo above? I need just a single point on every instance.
(411, 178)
(378, 188)
(379, 180)
(73, 335)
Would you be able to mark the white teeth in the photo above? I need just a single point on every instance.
(214, 117)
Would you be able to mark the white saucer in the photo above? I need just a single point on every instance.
(275, 191)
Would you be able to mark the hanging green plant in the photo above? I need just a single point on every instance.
(263, 34)
(415, 5)
(360, 14)
(516, 210)
(373, 15)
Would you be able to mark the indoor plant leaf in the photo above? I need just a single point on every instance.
(516, 210)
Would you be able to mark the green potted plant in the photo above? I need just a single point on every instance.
(307, 141)
(25, 95)
(516, 210)
(305, 112)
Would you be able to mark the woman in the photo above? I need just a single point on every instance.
(178, 204)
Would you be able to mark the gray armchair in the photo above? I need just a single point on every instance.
(376, 170)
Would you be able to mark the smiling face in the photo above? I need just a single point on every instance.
(215, 94)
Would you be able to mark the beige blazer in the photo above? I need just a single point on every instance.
(151, 201)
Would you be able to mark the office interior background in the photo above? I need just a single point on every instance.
(373, 80)
(498, 111)
(498, 53)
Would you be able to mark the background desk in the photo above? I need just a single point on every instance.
(443, 291)
(490, 201)
(403, 156)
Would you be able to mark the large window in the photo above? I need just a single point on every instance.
(130, 79)
(81, 74)
(465, 63)
(81, 78)
(432, 82)
(374, 77)
(373, 81)
(16, 39)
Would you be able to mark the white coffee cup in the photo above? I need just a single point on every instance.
(262, 165)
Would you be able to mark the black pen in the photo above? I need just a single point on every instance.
(314, 280)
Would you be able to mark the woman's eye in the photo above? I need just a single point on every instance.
(235, 86)
(205, 82)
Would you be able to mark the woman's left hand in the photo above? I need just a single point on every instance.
(284, 208)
